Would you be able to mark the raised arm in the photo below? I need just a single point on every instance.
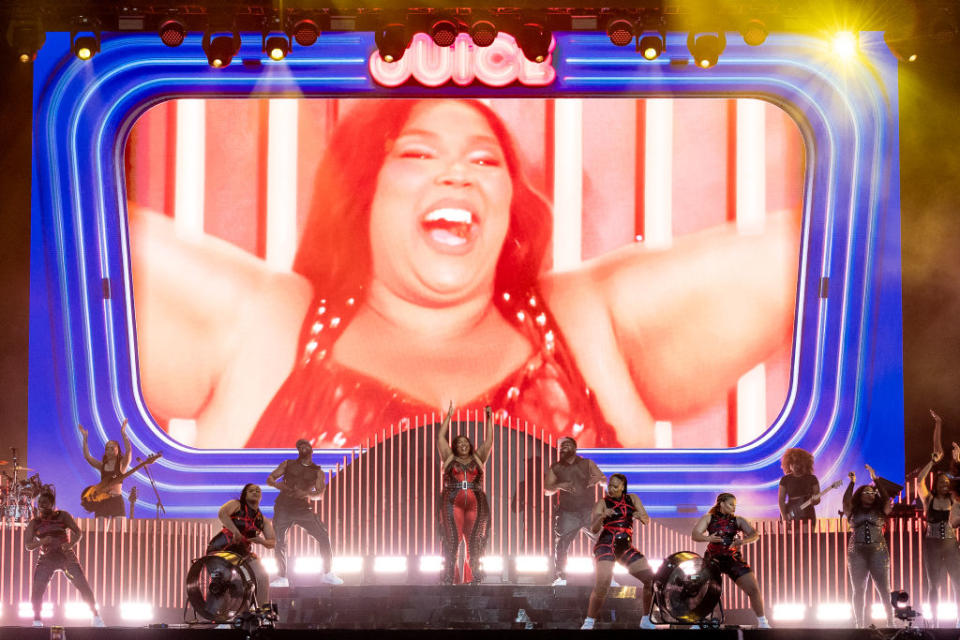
(848, 495)
(641, 513)
(127, 447)
(483, 451)
(93, 462)
(935, 457)
(443, 445)
(881, 492)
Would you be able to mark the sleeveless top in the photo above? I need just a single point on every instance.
(867, 528)
(938, 523)
(114, 488)
(55, 527)
(577, 474)
(334, 406)
(622, 520)
(463, 477)
(726, 526)
(249, 522)
(300, 477)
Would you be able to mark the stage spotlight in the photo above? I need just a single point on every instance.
(220, 49)
(25, 38)
(534, 40)
(305, 32)
(754, 33)
(651, 46)
(444, 32)
(620, 31)
(906, 47)
(172, 32)
(483, 32)
(844, 45)
(85, 47)
(392, 41)
(276, 47)
(706, 48)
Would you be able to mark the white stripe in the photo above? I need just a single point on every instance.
(663, 434)
(751, 166)
(567, 183)
(190, 167)
(282, 183)
(751, 404)
(658, 174)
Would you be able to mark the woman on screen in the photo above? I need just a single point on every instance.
(419, 280)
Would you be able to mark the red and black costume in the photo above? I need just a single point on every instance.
(249, 522)
(724, 557)
(465, 514)
(615, 543)
(53, 558)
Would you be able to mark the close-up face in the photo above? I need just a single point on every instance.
(461, 446)
(728, 506)
(567, 447)
(304, 450)
(615, 487)
(112, 449)
(868, 496)
(253, 496)
(942, 488)
(45, 505)
(441, 208)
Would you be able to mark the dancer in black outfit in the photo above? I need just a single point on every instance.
(300, 482)
(612, 518)
(722, 529)
(867, 553)
(55, 533)
(572, 479)
(244, 525)
(798, 485)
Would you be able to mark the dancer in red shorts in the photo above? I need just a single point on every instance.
(464, 510)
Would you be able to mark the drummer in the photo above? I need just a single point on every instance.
(244, 525)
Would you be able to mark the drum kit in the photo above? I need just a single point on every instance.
(17, 493)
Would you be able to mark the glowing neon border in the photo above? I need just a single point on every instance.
(845, 401)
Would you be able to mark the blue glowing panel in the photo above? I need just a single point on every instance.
(845, 398)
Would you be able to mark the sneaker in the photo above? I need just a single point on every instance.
(98, 622)
(38, 623)
(279, 583)
(559, 582)
(587, 623)
(613, 582)
(646, 623)
(331, 578)
(762, 623)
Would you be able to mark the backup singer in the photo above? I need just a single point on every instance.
(941, 511)
(302, 482)
(722, 529)
(798, 485)
(115, 461)
(572, 479)
(612, 518)
(56, 534)
(464, 509)
(867, 555)
(243, 525)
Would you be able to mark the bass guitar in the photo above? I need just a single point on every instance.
(97, 493)
(795, 508)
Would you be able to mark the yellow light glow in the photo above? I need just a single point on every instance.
(650, 53)
(912, 58)
(217, 63)
(277, 54)
(844, 45)
(84, 53)
(705, 64)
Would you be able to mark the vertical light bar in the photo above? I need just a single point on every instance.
(663, 434)
(658, 179)
(751, 404)
(190, 167)
(751, 166)
(282, 183)
(567, 183)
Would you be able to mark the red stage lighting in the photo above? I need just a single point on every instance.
(444, 31)
(620, 31)
(483, 32)
(172, 32)
(305, 32)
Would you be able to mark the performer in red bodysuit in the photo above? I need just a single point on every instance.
(464, 510)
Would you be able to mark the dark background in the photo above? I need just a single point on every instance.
(930, 184)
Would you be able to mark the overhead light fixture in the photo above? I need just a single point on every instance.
(706, 48)
(754, 32)
(483, 32)
(444, 32)
(85, 47)
(392, 41)
(25, 37)
(220, 49)
(905, 46)
(534, 41)
(305, 32)
(276, 46)
(651, 35)
(620, 31)
(172, 32)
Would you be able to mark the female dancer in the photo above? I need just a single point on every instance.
(612, 518)
(867, 554)
(941, 556)
(244, 524)
(797, 485)
(115, 462)
(464, 510)
(721, 527)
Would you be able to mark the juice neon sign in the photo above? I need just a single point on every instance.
(496, 66)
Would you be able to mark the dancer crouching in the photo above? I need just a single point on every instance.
(613, 518)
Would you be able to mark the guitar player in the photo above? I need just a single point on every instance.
(115, 461)
(797, 486)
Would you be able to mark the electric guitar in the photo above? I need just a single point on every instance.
(795, 508)
(97, 493)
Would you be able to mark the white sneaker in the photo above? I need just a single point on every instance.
(614, 583)
(331, 578)
(38, 623)
(762, 623)
(646, 623)
(279, 583)
(587, 623)
(98, 622)
(559, 582)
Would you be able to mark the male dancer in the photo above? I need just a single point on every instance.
(47, 531)
(302, 482)
(573, 479)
